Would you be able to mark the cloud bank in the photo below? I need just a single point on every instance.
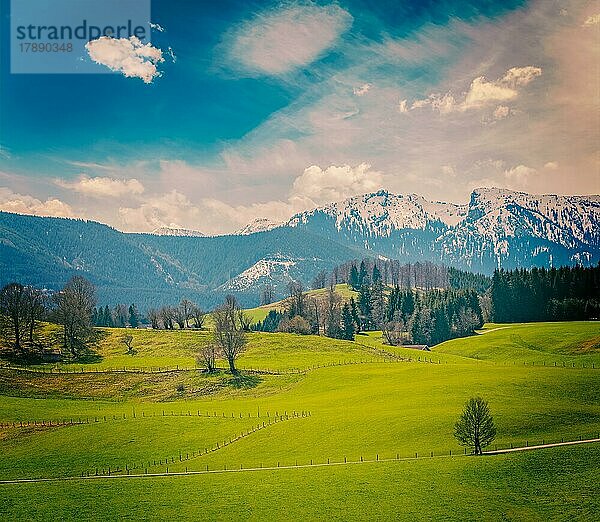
(103, 187)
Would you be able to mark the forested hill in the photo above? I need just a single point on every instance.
(146, 268)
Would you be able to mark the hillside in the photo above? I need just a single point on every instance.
(306, 402)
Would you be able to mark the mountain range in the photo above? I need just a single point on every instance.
(496, 228)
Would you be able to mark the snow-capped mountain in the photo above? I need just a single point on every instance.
(497, 228)
(258, 225)
(379, 214)
(169, 231)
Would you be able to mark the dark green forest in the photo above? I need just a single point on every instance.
(539, 294)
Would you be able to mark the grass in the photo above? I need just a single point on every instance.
(259, 313)
(576, 342)
(370, 404)
(555, 484)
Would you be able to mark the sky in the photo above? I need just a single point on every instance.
(239, 110)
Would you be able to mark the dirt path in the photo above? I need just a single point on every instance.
(483, 332)
(539, 446)
(273, 468)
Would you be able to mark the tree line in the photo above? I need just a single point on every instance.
(404, 316)
(425, 276)
(540, 294)
(23, 308)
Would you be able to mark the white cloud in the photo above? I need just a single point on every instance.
(172, 209)
(23, 204)
(483, 92)
(519, 176)
(362, 90)
(501, 112)
(314, 187)
(103, 187)
(157, 27)
(126, 55)
(592, 20)
(551, 165)
(319, 186)
(280, 41)
(449, 170)
(402, 106)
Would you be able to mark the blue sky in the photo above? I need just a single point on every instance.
(270, 108)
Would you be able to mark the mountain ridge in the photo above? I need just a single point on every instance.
(496, 228)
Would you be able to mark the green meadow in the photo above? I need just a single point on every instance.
(299, 403)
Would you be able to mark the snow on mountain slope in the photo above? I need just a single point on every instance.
(378, 214)
(566, 220)
(258, 225)
(168, 231)
(267, 270)
(497, 227)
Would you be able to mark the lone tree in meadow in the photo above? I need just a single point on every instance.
(230, 332)
(127, 340)
(475, 428)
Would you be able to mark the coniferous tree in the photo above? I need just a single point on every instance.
(353, 279)
(365, 307)
(347, 326)
(134, 316)
(108, 319)
(355, 315)
(362, 275)
(377, 300)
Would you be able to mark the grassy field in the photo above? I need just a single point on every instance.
(551, 484)
(322, 399)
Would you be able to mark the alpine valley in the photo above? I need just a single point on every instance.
(495, 228)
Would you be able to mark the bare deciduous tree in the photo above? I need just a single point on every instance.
(297, 299)
(154, 318)
(394, 332)
(127, 340)
(74, 311)
(185, 312)
(13, 311)
(267, 294)
(120, 316)
(229, 334)
(199, 316)
(320, 280)
(207, 357)
(36, 309)
(167, 317)
(475, 428)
